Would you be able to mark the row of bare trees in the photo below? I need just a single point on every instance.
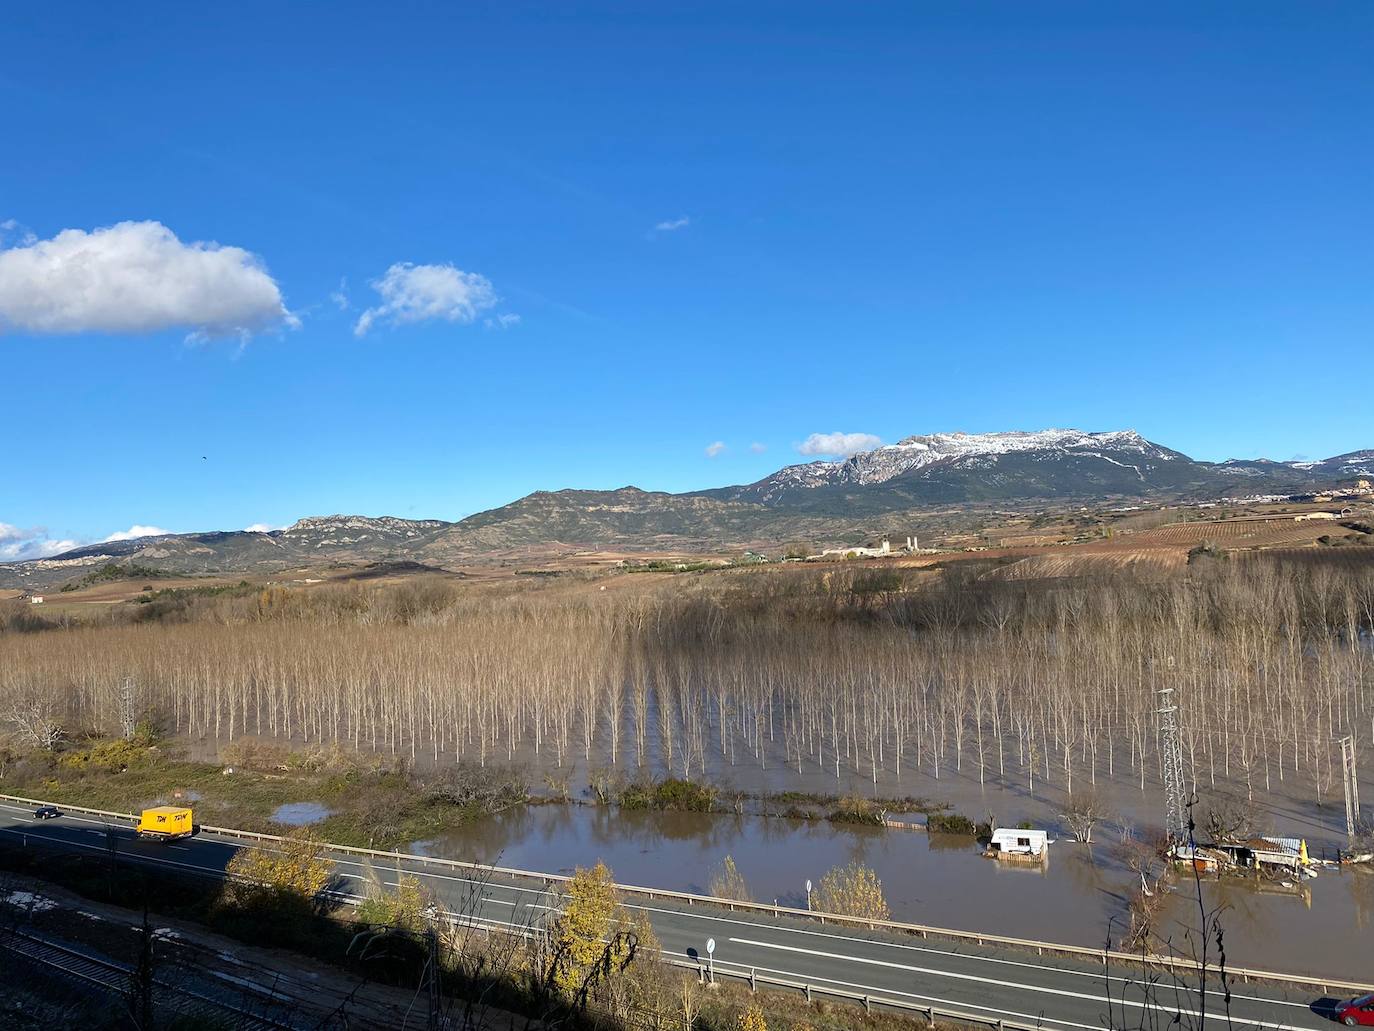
(848, 672)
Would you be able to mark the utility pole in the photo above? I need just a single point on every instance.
(112, 850)
(1171, 762)
(436, 1021)
(142, 988)
(1352, 788)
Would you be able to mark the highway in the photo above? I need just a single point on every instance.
(1014, 985)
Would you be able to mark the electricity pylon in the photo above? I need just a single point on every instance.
(1175, 809)
(1352, 788)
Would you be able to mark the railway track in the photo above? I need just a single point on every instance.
(115, 979)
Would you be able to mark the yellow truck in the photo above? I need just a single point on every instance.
(165, 823)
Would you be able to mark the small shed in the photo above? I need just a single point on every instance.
(1269, 852)
(1204, 859)
(1010, 841)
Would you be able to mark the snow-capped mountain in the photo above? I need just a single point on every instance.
(940, 472)
(1354, 463)
(1124, 449)
(351, 530)
(1053, 464)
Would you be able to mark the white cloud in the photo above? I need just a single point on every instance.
(18, 545)
(672, 225)
(135, 531)
(12, 228)
(135, 277)
(261, 528)
(715, 448)
(418, 293)
(340, 296)
(839, 445)
(503, 321)
(758, 448)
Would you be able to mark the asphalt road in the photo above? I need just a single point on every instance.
(1013, 985)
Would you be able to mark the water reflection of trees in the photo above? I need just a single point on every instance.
(812, 677)
(1362, 895)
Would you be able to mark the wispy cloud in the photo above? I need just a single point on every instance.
(12, 227)
(135, 277)
(340, 296)
(18, 545)
(421, 293)
(672, 225)
(22, 545)
(137, 530)
(505, 320)
(758, 448)
(838, 445)
(715, 448)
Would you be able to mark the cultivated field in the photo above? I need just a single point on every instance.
(1238, 533)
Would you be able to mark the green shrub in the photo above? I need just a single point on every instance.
(110, 757)
(854, 809)
(670, 794)
(950, 823)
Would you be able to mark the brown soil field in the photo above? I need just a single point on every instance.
(1352, 556)
(1153, 562)
(1240, 533)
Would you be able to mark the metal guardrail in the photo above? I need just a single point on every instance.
(1102, 956)
(866, 1000)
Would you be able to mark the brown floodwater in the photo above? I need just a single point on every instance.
(1324, 927)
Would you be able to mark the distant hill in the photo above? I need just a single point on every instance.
(309, 541)
(897, 485)
(950, 468)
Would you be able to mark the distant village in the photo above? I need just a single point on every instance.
(911, 547)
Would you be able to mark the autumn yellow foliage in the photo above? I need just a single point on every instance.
(296, 872)
(404, 907)
(595, 935)
(853, 890)
(751, 1019)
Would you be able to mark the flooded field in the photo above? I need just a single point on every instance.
(300, 814)
(1079, 897)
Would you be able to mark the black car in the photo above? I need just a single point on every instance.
(46, 812)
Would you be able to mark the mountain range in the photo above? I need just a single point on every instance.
(944, 477)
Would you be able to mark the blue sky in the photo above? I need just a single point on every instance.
(596, 239)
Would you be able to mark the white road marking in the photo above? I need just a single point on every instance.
(982, 980)
(1037, 1018)
(1096, 977)
(227, 840)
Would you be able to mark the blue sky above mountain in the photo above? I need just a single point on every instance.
(263, 262)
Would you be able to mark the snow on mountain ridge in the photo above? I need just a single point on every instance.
(984, 449)
(366, 524)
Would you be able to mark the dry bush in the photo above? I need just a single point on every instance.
(728, 883)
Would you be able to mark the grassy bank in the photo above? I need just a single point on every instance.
(371, 804)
